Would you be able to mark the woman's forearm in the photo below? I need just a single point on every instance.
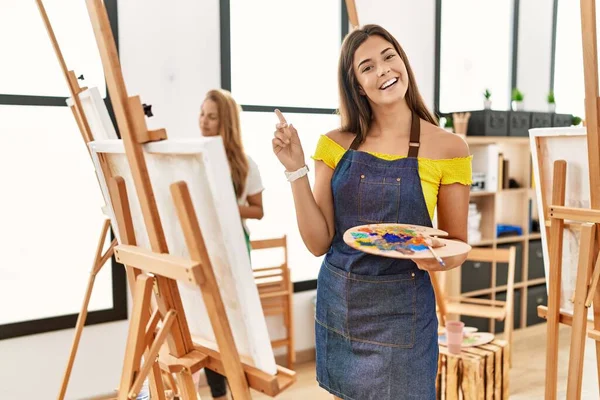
(251, 212)
(312, 223)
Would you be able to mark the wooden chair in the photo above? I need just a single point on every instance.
(276, 292)
(483, 308)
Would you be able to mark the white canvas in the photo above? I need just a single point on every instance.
(96, 113)
(201, 163)
(549, 145)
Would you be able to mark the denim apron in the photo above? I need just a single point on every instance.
(376, 325)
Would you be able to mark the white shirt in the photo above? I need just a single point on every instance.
(253, 186)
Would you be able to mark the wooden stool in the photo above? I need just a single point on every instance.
(479, 372)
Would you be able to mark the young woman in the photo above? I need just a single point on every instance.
(220, 115)
(376, 325)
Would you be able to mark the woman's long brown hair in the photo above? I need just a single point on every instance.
(230, 131)
(355, 110)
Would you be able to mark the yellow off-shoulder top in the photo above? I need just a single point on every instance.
(433, 172)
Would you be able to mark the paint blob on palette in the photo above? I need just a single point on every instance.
(404, 240)
(401, 241)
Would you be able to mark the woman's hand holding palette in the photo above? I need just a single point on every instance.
(403, 241)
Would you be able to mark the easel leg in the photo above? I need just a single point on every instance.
(151, 356)
(99, 261)
(595, 295)
(554, 280)
(186, 385)
(137, 331)
(579, 325)
(157, 389)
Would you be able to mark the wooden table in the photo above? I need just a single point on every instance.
(479, 372)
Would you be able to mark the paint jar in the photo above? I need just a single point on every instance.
(454, 334)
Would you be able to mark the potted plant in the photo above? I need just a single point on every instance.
(448, 123)
(551, 102)
(517, 100)
(487, 103)
(576, 120)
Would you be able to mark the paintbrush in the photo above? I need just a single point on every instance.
(437, 257)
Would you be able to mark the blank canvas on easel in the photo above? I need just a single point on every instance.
(202, 164)
(96, 114)
(547, 146)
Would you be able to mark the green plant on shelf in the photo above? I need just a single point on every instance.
(575, 120)
(487, 94)
(517, 95)
(550, 97)
(448, 123)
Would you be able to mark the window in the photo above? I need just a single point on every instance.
(281, 60)
(285, 56)
(52, 204)
(33, 77)
(49, 238)
(475, 52)
(280, 215)
(569, 87)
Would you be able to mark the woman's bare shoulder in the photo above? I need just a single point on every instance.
(441, 143)
(342, 138)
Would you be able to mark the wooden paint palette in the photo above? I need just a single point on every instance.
(401, 241)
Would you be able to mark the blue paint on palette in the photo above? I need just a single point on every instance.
(391, 238)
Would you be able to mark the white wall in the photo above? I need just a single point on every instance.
(170, 55)
(413, 24)
(534, 52)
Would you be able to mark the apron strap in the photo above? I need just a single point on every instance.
(415, 136)
(414, 141)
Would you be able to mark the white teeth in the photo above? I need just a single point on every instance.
(389, 83)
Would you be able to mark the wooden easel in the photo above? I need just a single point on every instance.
(100, 258)
(587, 291)
(352, 14)
(586, 288)
(156, 271)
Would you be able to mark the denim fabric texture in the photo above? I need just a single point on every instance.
(376, 326)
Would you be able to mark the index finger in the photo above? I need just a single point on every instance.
(280, 116)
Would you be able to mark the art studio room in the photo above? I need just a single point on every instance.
(299, 200)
